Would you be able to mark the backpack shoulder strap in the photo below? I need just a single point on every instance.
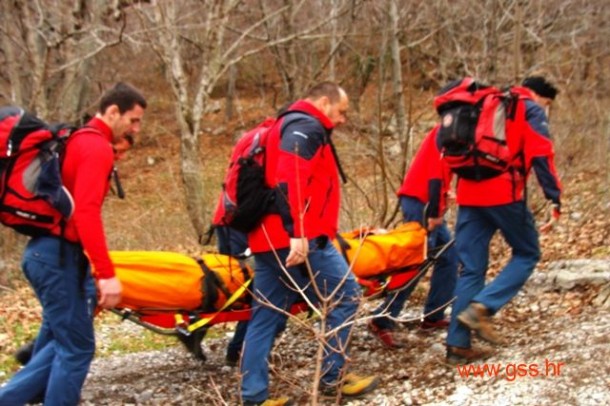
(114, 173)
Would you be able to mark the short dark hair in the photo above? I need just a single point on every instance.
(328, 89)
(540, 86)
(125, 96)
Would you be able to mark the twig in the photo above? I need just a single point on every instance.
(8, 289)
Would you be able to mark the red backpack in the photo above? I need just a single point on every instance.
(246, 198)
(472, 133)
(33, 200)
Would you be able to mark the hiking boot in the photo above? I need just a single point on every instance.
(283, 401)
(24, 353)
(386, 336)
(463, 356)
(476, 317)
(353, 386)
(428, 324)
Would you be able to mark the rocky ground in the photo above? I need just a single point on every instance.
(557, 353)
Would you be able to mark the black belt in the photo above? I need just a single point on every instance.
(321, 241)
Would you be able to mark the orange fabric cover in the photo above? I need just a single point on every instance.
(167, 280)
(373, 254)
(172, 281)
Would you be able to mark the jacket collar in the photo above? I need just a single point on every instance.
(308, 108)
(522, 91)
(101, 127)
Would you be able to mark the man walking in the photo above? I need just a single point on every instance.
(423, 198)
(58, 269)
(302, 166)
(498, 204)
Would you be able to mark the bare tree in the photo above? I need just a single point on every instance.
(197, 42)
(398, 31)
(398, 94)
(48, 48)
(47, 53)
(306, 56)
(192, 40)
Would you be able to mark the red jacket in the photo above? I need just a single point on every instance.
(86, 170)
(530, 142)
(301, 165)
(429, 177)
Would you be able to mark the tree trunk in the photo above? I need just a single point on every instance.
(380, 156)
(167, 41)
(13, 68)
(38, 53)
(397, 86)
(75, 85)
(491, 42)
(333, 39)
(192, 170)
(230, 99)
(517, 43)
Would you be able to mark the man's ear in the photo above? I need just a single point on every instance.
(112, 112)
(325, 104)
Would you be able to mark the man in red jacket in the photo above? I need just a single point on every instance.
(302, 166)
(498, 204)
(423, 198)
(58, 269)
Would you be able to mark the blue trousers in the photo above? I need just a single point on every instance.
(444, 275)
(230, 241)
(272, 286)
(65, 344)
(233, 242)
(474, 230)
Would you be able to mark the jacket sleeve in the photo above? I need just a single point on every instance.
(539, 152)
(301, 140)
(435, 175)
(434, 190)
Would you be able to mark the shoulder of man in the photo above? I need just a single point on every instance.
(302, 134)
(536, 117)
(90, 143)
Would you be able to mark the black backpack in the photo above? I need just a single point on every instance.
(472, 136)
(246, 198)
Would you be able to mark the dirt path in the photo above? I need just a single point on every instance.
(558, 354)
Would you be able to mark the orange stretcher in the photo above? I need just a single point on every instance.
(176, 294)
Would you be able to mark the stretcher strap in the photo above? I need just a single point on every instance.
(345, 246)
(210, 286)
(202, 322)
